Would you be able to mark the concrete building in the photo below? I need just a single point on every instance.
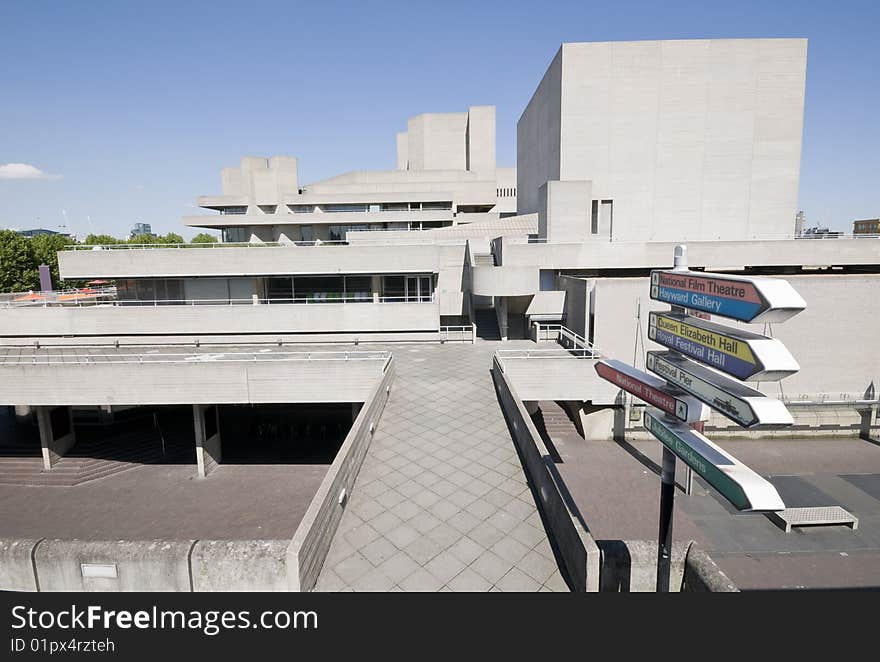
(624, 151)
(446, 175)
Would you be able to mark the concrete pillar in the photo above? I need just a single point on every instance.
(22, 414)
(501, 314)
(206, 419)
(56, 433)
(598, 422)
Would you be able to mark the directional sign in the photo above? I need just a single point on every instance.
(652, 390)
(737, 297)
(744, 488)
(742, 354)
(741, 404)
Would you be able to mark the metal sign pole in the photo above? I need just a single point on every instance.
(667, 503)
(667, 475)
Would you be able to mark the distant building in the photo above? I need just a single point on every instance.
(39, 231)
(867, 226)
(141, 228)
(800, 221)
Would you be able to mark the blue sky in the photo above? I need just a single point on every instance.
(132, 108)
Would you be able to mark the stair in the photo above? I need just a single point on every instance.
(484, 260)
(97, 454)
(487, 324)
(555, 428)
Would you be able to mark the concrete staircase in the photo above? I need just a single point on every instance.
(98, 454)
(484, 260)
(556, 428)
(487, 324)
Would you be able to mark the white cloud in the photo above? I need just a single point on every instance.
(23, 171)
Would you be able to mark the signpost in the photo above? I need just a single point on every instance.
(652, 390)
(744, 488)
(742, 354)
(686, 331)
(740, 403)
(741, 298)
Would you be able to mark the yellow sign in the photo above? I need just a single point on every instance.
(728, 345)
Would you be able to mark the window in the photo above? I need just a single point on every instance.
(301, 209)
(279, 289)
(319, 288)
(268, 209)
(236, 235)
(346, 208)
(394, 206)
(233, 210)
(594, 220)
(436, 205)
(306, 233)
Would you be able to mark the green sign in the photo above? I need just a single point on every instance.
(733, 480)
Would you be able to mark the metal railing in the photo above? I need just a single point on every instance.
(561, 334)
(513, 239)
(70, 297)
(540, 354)
(223, 244)
(48, 358)
(155, 303)
(462, 333)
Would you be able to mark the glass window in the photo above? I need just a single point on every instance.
(358, 288)
(235, 235)
(319, 288)
(279, 289)
(393, 287)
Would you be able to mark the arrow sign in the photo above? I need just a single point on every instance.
(742, 354)
(744, 488)
(737, 297)
(741, 404)
(652, 390)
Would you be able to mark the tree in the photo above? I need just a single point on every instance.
(171, 238)
(101, 240)
(18, 269)
(45, 251)
(144, 239)
(204, 238)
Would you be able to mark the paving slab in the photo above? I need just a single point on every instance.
(442, 488)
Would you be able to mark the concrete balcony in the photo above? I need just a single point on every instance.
(556, 374)
(169, 375)
(240, 318)
(721, 255)
(186, 260)
(317, 218)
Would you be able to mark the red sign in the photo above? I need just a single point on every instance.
(644, 388)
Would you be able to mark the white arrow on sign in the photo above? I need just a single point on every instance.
(738, 402)
(736, 482)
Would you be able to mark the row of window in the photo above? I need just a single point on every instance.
(506, 192)
(441, 205)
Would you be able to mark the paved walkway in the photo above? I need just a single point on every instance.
(441, 503)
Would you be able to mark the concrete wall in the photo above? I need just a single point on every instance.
(689, 138)
(188, 382)
(712, 255)
(239, 565)
(311, 542)
(153, 565)
(630, 566)
(109, 321)
(16, 565)
(574, 544)
(564, 211)
(253, 261)
(538, 139)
